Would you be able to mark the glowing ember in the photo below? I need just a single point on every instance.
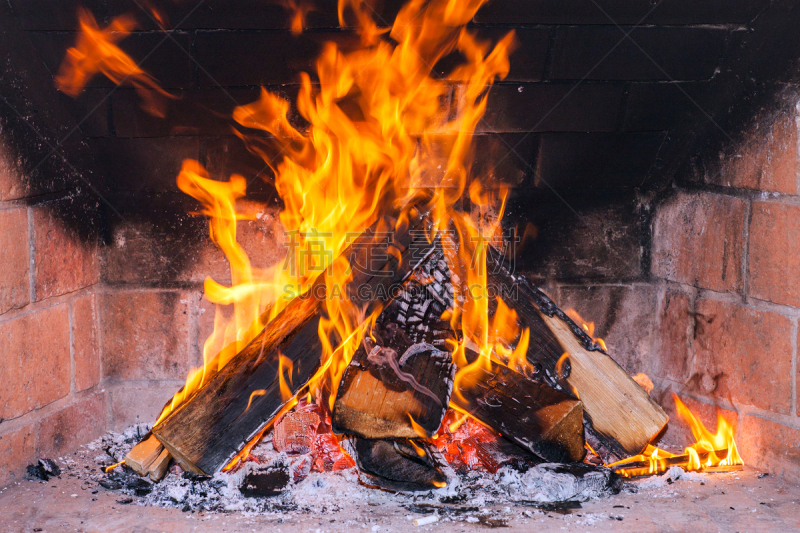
(96, 51)
(712, 452)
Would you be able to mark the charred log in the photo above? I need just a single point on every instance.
(397, 465)
(399, 382)
(544, 421)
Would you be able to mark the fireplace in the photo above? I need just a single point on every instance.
(649, 158)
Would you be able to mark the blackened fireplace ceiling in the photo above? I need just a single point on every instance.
(613, 96)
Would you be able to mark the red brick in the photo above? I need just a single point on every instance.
(12, 185)
(766, 161)
(775, 253)
(771, 446)
(747, 353)
(145, 335)
(14, 259)
(132, 403)
(671, 359)
(34, 356)
(63, 263)
(84, 336)
(17, 450)
(679, 432)
(698, 240)
(77, 424)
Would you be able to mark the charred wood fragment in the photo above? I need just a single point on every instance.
(400, 465)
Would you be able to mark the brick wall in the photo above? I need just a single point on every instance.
(51, 396)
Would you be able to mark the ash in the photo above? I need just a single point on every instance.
(467, 496)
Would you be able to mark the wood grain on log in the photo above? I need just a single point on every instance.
(158, 468)
(207, 430)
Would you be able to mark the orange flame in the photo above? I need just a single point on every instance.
(712, 452)
(96, 51)
(297, 12)
(375, 118)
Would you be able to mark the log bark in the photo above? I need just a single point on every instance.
(207, 430)
(544, 421)
(618, 412)
(399, 382)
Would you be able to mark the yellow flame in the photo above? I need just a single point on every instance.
(711, 451)
(109, 468)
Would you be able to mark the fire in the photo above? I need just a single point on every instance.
(712, 452)
(297, 12)
(373, 119)
(96, 51)
(588, 327)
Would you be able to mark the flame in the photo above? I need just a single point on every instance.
(297, 12)
(710, 452)
(285, 363)
(96, 51)
(374, 120)
(588, 327)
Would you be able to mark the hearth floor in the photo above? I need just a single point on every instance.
(725, 502)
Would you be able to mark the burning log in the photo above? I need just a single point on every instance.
(618, 412)
(398, 384)
(546, 422)
(398, 464)
(207, 430)
(648, 466)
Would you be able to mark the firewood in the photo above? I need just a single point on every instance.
(398, 383)
(398, 464)
(144, 454)
(618, 411)
(207, 430)
(544, 421)
(158, 468)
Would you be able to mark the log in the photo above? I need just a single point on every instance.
(399, 381)
(544, 421)
(144, 454)
(211, 426)
(618, 412)
(158, 468)
(400, 465)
